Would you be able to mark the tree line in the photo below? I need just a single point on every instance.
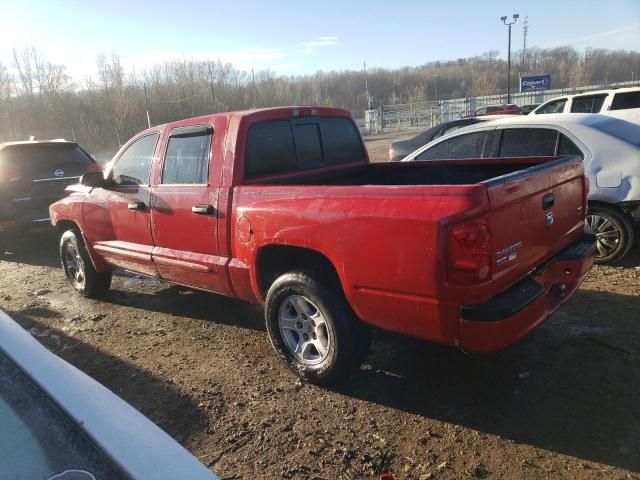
(38, 98)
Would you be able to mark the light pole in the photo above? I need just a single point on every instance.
(504, 20)
(435, 87)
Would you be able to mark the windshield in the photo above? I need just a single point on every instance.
(38, 440)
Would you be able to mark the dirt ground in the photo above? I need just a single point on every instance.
(562, 403)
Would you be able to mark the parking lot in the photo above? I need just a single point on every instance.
(563, 402)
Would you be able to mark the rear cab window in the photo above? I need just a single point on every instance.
(276, 147)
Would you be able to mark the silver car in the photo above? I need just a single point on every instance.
(609, 146)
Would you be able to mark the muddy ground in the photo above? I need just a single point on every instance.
(562, 403)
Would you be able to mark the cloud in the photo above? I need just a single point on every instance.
(307, 48)
(81, 62)
(620, 38)
(277, 59)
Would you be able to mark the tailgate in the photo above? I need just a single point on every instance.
(535, 213)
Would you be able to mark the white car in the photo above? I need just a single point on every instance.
(609, 146)
(621, 103)
(56, 423)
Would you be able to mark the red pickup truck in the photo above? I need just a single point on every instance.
(281, 207)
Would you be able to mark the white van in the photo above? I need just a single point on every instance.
(622, 103)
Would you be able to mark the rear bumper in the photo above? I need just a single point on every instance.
(512, 314)
(35, 222)
(14, 220)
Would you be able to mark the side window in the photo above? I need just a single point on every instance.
(481, 111)
(587, 104)
(557, 106)
(469, 145)
(625, 100)
(132, 168)
(527, 142)
(567, 147)
(187, 158)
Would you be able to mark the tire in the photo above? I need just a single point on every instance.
(313, 329)
(614, 233)
(78, 268)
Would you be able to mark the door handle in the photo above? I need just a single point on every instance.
(203, 209)
(136, 206)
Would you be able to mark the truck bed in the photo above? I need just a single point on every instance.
(459, 172)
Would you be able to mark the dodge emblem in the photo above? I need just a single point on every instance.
(58, 173)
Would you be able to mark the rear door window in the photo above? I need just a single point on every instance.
(280, 146)
(187, 157)
(132, 168)
(588, 104)
(626, 100)
(470, 145)
(527, 142)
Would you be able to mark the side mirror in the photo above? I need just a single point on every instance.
(92, 179)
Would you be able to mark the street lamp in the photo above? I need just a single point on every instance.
(504, 20)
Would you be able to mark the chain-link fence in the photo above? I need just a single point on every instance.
(427, 114)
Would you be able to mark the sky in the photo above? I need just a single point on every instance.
(302, 37)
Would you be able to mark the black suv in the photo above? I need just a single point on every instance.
(33, 175)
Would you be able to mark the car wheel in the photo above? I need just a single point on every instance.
(78, 268)
(614, 233)
(313, 329)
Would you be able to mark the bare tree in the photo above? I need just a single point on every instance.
(23, 63)
(5, 83)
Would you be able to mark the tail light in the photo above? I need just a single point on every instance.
(469, 253)
(9, 175)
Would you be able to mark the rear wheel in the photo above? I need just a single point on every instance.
(614, 233)
(312, 328)
(78, 268)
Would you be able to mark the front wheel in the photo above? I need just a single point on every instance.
(78, 268)
(613, 231)
(312, 328)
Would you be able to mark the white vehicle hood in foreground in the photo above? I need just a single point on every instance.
(134, 444)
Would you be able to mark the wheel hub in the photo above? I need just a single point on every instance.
(304, 330)
(74, 265)
(607, 234)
